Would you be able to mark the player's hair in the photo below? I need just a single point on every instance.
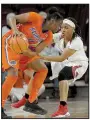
(77, 28)
(51, 10)
(55, 15)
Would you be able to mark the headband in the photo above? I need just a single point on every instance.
(69, 22)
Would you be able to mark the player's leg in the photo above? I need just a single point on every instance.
(27, 78)
(28, 74)
(41, 73)
(64, 76)
(8, 60)
(7, 85)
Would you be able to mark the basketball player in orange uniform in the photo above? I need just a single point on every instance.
(39, 34)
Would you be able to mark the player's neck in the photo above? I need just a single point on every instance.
(68, 38)
(44, 28)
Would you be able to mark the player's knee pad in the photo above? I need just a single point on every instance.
(61, 76)
(65, 74)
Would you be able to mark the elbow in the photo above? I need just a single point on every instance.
(9, 20)
(9, 17)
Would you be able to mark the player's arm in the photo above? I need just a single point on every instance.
(67, 53)
(39, 48)
(45, 43)
(22, 18)
(29, 53)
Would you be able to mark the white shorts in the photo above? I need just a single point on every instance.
(78, 73)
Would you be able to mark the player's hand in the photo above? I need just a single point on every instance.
(42, 57)
(18, 33)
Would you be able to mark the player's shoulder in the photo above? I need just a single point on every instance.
(34, 13)
(35, 18)
(77, 40)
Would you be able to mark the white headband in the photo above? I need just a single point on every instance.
(69, 22)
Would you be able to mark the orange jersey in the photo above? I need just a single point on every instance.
(33, 31)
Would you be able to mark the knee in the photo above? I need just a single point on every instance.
(65, 74)
(12, 72)
(61, 77)
(45, 69)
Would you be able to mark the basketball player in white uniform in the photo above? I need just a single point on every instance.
(74, 60)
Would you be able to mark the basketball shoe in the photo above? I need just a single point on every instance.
(19, 103)
(61, 112)
(34, 108)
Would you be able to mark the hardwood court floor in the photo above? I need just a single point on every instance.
(78, 108)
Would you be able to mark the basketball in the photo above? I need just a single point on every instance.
(19, 44)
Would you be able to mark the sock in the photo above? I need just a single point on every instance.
(26, 96)
(37, 83)
(63, 103)
(6, 87)
(35, 102)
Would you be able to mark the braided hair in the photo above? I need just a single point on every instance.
(77, 28)
(55, 15)
(51, 10)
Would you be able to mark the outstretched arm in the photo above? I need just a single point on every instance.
(67, 53)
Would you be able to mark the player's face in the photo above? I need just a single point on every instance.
(54, 25)
(67, 31)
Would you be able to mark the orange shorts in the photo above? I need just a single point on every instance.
(24, 60)
(15, 60)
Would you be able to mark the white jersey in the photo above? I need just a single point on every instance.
(79, 58)
(57, 39)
